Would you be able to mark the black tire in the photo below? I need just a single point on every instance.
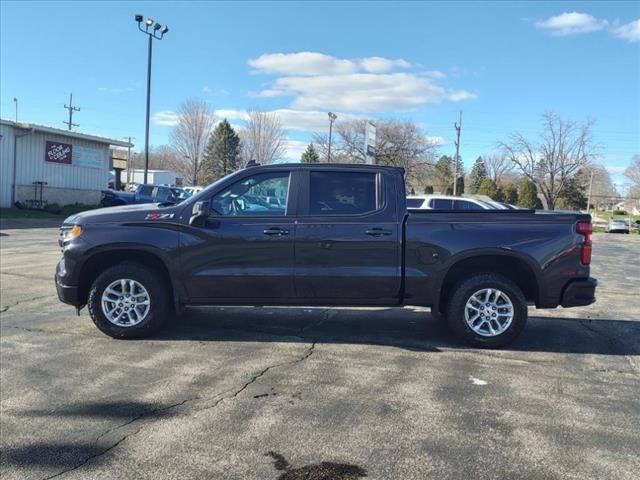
(148, 278)
(464, 290)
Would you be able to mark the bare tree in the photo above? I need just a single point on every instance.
(498, 166)
(189, 137)
(633, 171)
(564, 146)
(263, 138)
(398, 143)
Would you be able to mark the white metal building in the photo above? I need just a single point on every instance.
(75, 166)
(156, 177)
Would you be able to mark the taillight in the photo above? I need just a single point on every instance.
(585, 228)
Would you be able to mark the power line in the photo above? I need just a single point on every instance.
(71, 109)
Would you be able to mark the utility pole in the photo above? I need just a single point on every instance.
(71, 109)
(332, 118)
(128, 162)
(590, 186)
(15, 100)
(458, 127)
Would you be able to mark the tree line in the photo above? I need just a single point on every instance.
(552, 170)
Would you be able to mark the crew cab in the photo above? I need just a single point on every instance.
(144, 193)
(322, 234)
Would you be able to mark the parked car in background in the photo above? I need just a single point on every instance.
(143, 194)
(449, 202)
(193, 190)
(617, 226)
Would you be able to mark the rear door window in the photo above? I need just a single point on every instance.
(342, 193)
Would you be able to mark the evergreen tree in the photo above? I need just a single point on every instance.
(310, 155)
(572, 196)
(443, 174)
(222, 155)
(428, 189)
(509, 193)
(477, 175)
(528, 195)
(489, 188)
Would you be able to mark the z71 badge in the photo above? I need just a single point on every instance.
(158, 216)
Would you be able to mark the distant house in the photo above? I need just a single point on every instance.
(631, 206)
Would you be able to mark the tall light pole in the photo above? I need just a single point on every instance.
(15, 100)
(156, 31)
(332, 118)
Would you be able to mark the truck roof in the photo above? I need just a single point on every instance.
(328, 166)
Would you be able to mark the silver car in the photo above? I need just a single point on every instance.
(617, 226)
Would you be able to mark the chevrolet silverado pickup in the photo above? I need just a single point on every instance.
(322, 234)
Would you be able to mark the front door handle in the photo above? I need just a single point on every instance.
(378, 232)
(277, 231)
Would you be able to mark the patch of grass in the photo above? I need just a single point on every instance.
(52, 211)
(608, 215)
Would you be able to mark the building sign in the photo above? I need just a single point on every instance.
(370, 143)
(87, 157)
(119, 159)
(58, 152)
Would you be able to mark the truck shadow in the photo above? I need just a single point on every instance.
(410, 329)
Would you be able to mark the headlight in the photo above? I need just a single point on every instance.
(70, 233)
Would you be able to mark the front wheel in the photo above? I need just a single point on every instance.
(487, 310)
(128, 301)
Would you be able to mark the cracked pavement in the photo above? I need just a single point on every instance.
(267, 393)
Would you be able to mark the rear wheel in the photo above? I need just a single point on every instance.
(128, 301)
(487, 310)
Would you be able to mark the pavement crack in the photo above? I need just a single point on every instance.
(150, 413)
(7, 307)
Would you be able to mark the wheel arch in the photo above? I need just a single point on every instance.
(520, 270)
(99, 261)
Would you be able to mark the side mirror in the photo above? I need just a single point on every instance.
(200, 213)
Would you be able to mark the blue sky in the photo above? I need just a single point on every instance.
(502, 63)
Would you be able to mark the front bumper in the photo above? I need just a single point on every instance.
(67, 293)
(579, 293)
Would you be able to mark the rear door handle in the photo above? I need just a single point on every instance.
(378, 232)
(277, 231)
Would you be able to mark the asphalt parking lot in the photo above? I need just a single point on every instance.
(290, 393)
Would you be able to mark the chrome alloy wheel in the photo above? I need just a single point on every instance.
(125, 302)
(488, 312)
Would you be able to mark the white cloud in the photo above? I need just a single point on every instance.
(297, 120)
(615, 170)
(437, 74)
(629, 31)
(571, 23)
(436, 140)
(382, 65)
(165, 117)
(215, 91)
(364, 92)
(460, 95)
(295, 148)
(302, 63)
(372, 84)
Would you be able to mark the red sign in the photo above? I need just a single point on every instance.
(58, 152)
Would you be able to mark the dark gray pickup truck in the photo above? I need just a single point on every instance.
(322, 234)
